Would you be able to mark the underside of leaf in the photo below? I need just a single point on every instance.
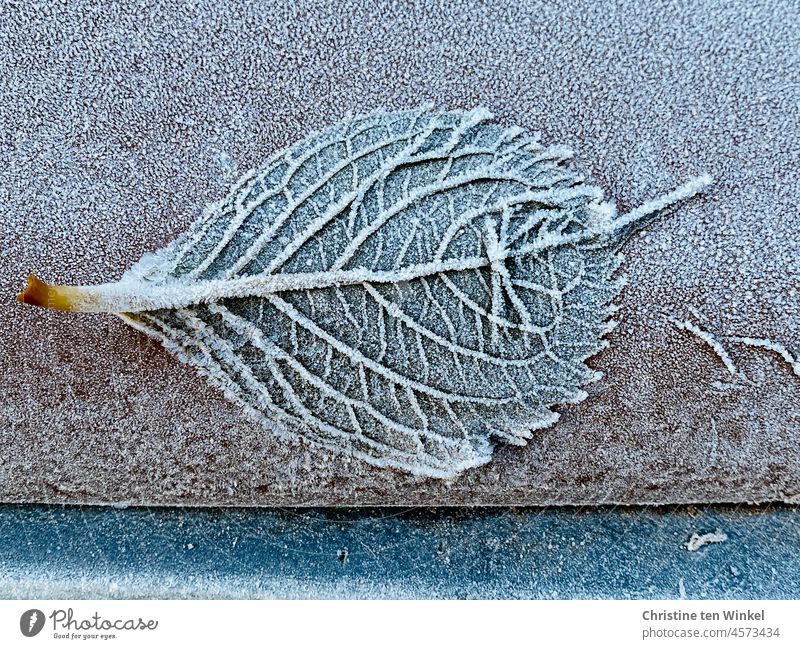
(404, 287)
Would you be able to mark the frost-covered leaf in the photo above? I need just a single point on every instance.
(405, 287)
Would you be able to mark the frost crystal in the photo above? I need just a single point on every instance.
(405, 287)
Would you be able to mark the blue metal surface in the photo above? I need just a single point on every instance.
(72, 552)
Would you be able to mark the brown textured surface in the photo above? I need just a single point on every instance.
(118, 123)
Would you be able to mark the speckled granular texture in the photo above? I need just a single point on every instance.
(118, 123)
(55, 552)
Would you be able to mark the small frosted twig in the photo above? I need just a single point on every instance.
(697, 541)
(709, 340)
(693, 187)
(779, 349)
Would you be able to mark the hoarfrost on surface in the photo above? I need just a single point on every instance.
(697, 541)
(406, 287)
